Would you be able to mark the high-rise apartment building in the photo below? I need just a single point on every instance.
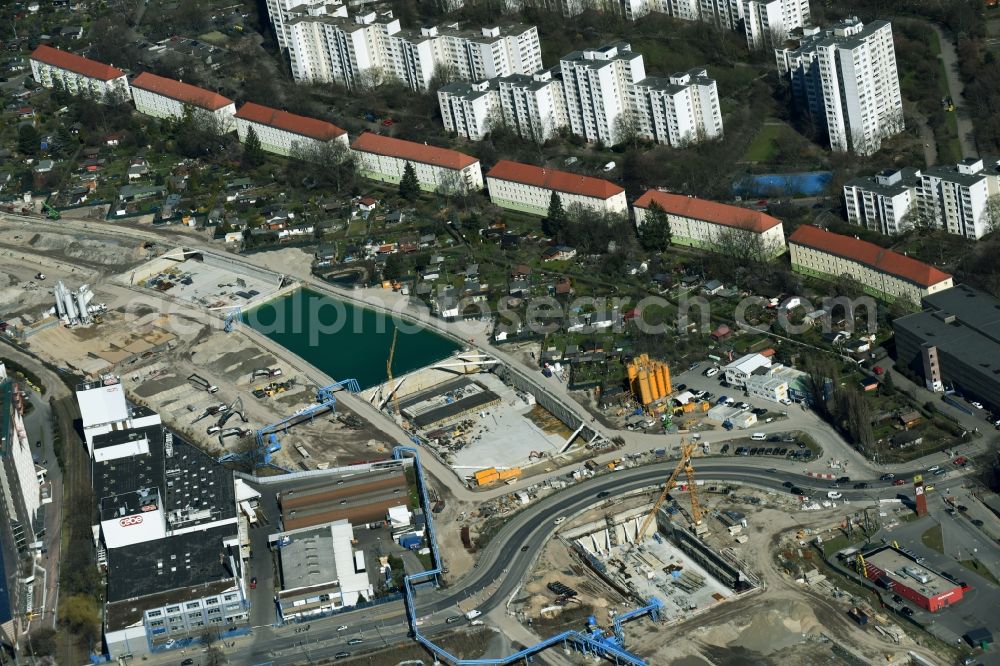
(952, 198)
(607, 99)
(847, 76)
(325, 44)
(679, 110)
(534, 106)
(597, 84)
(770, 22)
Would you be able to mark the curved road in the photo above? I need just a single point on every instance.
(532, 527)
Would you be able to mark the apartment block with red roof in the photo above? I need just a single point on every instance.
(384, 158)
(161, 97)
(528, 188)
(884, 274)
(78, 75)
(282, 133)
(705, 224)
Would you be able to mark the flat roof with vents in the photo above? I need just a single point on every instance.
(194, 488)
(183, 561)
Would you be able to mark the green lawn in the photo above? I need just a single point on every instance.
(762, 147)
(932, 539)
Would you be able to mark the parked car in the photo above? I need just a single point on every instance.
(907, 611)
(933, 468)
(711, 372)
(253, 583)
(977, 405)
(724, 449)
(939, 472)
(977, 522)
(888, 476)
(681, 387)
(899, 482)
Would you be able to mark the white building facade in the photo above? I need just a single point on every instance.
(767, 23)
(528, 188)
(166, 98)
(952, 198)
(955, 198)
(384, 159)
(702, 224)
(884, 202)
(678, 111)
(285, 133)
(471, 110)
(78, 75)
(534, 107)
(856, 97)
(597, 84)
(326, 45)
(882, 273)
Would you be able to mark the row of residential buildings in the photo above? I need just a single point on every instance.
(326, 45)
(953, 198)
(529, 188)
(598, 94)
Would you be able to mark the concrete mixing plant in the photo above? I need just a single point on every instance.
(649, 380)
(75, 307)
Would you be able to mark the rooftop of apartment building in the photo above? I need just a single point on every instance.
(868, 254)
(708, 211)
(339, 17)
(470, 91)
(848, 33)
(552, 179)
(289, 122)
(194, 488)
(601, 56)
(180, 91)
(75, 63)
(678, 81)
(533, 82)
(889, 182)
(412, 151)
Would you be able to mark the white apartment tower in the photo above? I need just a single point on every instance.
(856, 96)
(471, 110)
(883, 203)
(326, 45)
(680, 110)
(956, 197)
(597, 84)
(770, 22)
(534, 106)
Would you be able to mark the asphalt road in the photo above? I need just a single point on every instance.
(503, 562)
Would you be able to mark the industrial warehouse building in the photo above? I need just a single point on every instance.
(706, 224)
(360, 498)
(894, 571)
(319, 570)
(169, 530)
(954, 343)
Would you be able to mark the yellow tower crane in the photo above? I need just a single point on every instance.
(388, 371)
(684, 464)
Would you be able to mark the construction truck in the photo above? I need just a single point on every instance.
(265, 372)
(51, 212)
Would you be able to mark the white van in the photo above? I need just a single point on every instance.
(758, 437)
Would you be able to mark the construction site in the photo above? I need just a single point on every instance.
(477, 423)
